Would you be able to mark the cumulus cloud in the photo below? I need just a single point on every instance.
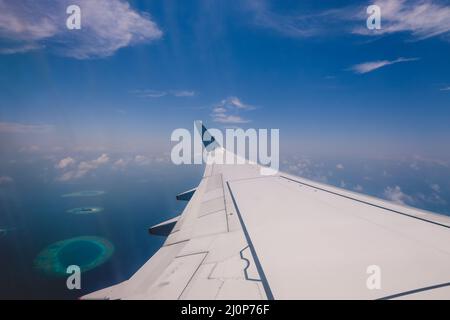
(340, 166)
(228, 111)
(66, 176)
(138, 160)
(308, 168)
(142, 160)
(104, 158)
(121, 163)
(83, 168)
(435, 196)
(395, 194)
(66, 162)
(370, 66)
(15, 127)
(106, 26)
(69, 169)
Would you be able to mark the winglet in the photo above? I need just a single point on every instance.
(209, 142)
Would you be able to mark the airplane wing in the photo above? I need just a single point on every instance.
(244, 235)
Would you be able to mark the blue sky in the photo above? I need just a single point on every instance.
(137, 70)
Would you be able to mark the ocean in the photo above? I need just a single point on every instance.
(34, 214)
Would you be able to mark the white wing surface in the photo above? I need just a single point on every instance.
(244, 235)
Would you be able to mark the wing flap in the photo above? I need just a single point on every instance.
(187, 195)
(164, 228)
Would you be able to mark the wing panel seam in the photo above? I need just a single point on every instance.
(368, 203)
(264, 281)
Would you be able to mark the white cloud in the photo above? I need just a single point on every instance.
(66, 176)
(228, 111)
(291, 25)
(84, 168)
(420, 18)
(358, 188)
(6, 180)
(161, 159)
(21, 48)
(15, 127)
(150, 93)
(445, 89)
(66, 162)
(121, 163)
(104, 158)
(229, 119)
(183, 93)
(374, 65)
(236, 102)
(340, 166)
(139, 160)
(305, 168)
(25, 21)
(433, 198)
(395, 194)
(142, 160)
(219, 110)
(106, 26)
